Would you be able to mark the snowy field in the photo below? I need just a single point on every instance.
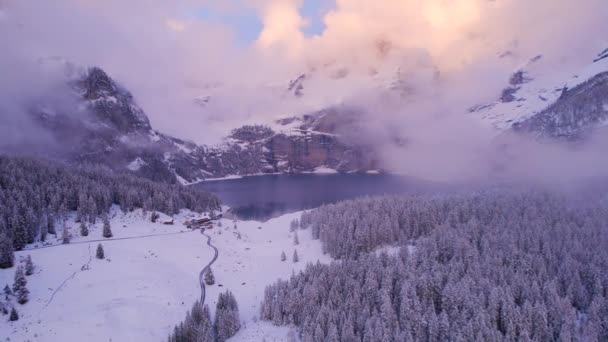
(146, 284)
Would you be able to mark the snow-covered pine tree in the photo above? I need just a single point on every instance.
(84, 230)
(296, 239)
(82, 212)
(227, 321)
(7, 291)
(7, 255)
(20, 235)
(209, 277)
(51, 224)
(23, 295)
(198, 324)
(44, 227)
(293, 225)
(100, 254)
(65, 235)
(29, 266)
(14, 315)
(37, 195)
(92, 210)
(20, 286)
(283, 256)
(107, 229)
(295, 258)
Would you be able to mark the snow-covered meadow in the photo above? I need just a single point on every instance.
(147, 283)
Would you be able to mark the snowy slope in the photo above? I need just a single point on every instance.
(146, 284)
(532, 89)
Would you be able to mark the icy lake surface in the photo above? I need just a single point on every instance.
(264, 197)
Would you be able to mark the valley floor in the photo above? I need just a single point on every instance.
(147, 283)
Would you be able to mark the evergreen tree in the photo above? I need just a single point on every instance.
(84, 230)
(295, 257)
(283, 256)
(92, 210)
(14, 315)
(7, 291)
(51, 225)
(20, 234)
(107, 230)
(20, 286)
(296, 240)
(7, 256)
(44, 227)
(227, 321)
(65, 235)
(23, 295)
(36, 194)
(293, 225)
(100, 253)
(154, 216)
(209, 277)
(29, 266)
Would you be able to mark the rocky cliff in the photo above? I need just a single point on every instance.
(108, 127)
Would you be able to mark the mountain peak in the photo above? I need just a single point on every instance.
(112, 103)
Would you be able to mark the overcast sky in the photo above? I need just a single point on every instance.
(243, 53)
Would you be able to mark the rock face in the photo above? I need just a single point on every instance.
(108, 127)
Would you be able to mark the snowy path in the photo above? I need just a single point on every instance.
(106, 240)
(201, 277)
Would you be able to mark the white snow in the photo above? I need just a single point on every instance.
(222, 178)
(390, 250)
(543, 89)
(255, 260)
(154, 136)
(183, 181)
(147, 283)
(136, 164)
(324, 170)
(183, 148)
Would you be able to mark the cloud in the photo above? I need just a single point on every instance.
(443, 54)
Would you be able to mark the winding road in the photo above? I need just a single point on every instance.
(201, 277)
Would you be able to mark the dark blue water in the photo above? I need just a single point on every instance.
(264, 197)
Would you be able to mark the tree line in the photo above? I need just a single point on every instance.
(488, 266)
(37, 195)
(199, 327)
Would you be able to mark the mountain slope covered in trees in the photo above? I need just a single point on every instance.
(493, 266)
(36, 196)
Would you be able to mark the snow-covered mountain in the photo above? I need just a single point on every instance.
(106, 125)
(550, 103)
